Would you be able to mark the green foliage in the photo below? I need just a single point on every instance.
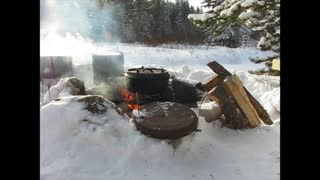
(262, 16)
(154, 21)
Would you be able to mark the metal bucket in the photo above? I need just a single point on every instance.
(55, 66)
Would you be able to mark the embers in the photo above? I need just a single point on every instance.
(131, 98)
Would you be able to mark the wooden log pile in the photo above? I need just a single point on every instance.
(240, 109)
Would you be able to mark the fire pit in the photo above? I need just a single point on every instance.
(141, 86)
(153, 94)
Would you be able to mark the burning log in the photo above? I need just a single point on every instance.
(222, 73)
(131, 99)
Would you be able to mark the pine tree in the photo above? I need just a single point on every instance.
(125, 16)
(198, 11)
(148, 21)
(166, 9)
(142, 20)
(262, 16)
(211, 3)
(181, 18)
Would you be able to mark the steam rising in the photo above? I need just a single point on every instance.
(75, 27)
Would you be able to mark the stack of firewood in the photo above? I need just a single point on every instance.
(240, 109)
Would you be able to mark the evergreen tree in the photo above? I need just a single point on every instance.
(211, 3)
(142, 20)
(166, 9)
(262, 16)
(125, 17)
(151, 21)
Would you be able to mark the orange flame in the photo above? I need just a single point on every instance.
(126, 95)
(129, 97)
(134, 106)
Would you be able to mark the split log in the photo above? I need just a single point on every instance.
(233, 85)
(212, 83)
(222, 73)
(235, 118)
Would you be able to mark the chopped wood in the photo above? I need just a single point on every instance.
(222, 72)
(235, 118)
(213, 98)
(212, 83)
(235, 88)
(276, 64)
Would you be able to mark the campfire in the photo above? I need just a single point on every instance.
(167, 100)
(131, 98)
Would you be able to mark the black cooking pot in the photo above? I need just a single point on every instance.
(149, 81)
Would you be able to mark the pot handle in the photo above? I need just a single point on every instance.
(148, 70)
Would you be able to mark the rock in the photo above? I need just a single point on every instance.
(95, 104)
(77, 86)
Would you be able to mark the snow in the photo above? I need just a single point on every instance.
(194, 57)
(248, 3)
(248, 14)
(263, 42)
(261, 3)
(108, 146)
(201, 17)
(217, 8)
(59, 89)
(260, 28)
(228, 12)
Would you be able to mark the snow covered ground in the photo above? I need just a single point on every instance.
(71, 149)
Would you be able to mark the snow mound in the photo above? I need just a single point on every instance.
(72, 137)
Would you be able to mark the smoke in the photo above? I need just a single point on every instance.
(85, 17)
(75, 27)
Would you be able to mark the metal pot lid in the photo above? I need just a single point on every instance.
(147, 73)
(144, 70)
(166, 120)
